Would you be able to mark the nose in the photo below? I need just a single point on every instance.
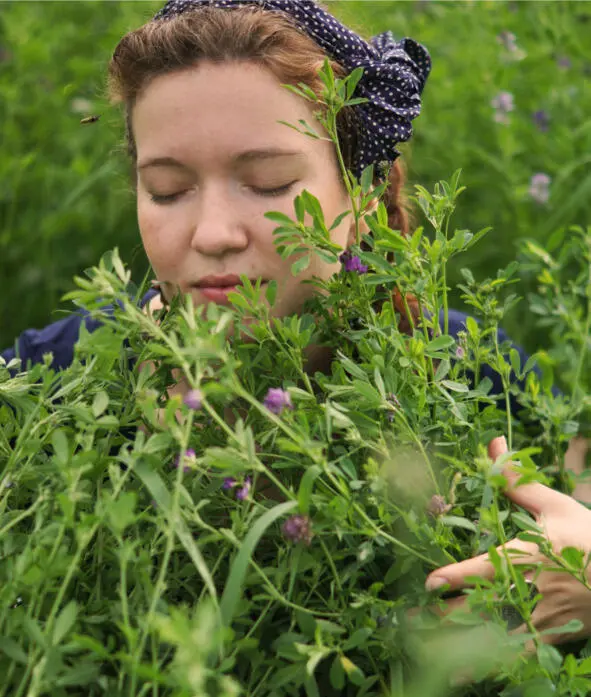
(217, 226)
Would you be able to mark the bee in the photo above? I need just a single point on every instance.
(89, 119)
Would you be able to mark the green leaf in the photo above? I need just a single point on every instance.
(550, 658)
(59, 441)
(353, 80)
(280, 218)
(458, 522)
(121, 511)
(338, 220)
(573, 556)
(572, 626)
(442, 370)
(584, 667)
(233, 589)
(157, 443)
(337, 674)
(515, 359)
(525, 522)
(301, 264)
(153, 482)
(455, 386)
(438, 344)
(354, 673)
(271, 293)
(10, 648)
(100, 403)
(367, 179)
(306, 485)
(358, 638)
(33, 631)
(64, 622)
(83, 673)
(472, 327)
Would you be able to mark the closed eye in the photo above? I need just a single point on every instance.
(274, 192)
(165, 198)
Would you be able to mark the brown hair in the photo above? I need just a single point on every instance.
(269, 39)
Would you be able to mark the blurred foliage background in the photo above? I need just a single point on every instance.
(508, 102)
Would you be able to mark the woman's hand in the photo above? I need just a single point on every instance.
(566, 523)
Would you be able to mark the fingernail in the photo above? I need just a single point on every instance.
(435, 582)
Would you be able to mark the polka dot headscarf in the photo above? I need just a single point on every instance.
(394, 75)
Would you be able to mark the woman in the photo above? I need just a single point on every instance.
(202, 87)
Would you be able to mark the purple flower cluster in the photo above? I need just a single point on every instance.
(242, 491)
(539, 187)
(188, 460)
(503, 105)
(194, 400)
(297, 528)
(277, 400)
(564, 62)
(541, 120)
(438, 506)
(508, 41)
(352, 262)
(395, 402)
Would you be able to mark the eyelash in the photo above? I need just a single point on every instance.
(170, 198)
(275, 192)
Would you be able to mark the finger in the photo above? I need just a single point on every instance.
(449, 606)
(534, 497)
(454, 575)
(497, 447)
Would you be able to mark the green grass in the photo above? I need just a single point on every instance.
(64, 189)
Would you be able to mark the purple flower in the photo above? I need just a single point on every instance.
(193, 399)
(393, 399)
(438, 506)
(564, 62)
(507, 40)
(539, 187)
(229, 483)
(244, 490)
(502, 104)
(188, 460)
(541, 120)
(460, 353)
(352, 263)
(297, 529)
(277, 400)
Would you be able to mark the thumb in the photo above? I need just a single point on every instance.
(454, 575)
(497, 447)
(534, 497)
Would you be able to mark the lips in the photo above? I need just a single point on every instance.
(217, 288)
(218, 281)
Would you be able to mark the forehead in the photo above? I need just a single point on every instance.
(212, 111)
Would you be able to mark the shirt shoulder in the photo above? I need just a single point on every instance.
(58, 338)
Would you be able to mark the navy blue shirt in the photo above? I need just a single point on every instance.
(59, 339)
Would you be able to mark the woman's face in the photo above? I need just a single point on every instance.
(212, 160)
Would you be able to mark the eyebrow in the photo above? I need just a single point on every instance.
(242, 158)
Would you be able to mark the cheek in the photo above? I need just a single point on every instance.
(162, 245)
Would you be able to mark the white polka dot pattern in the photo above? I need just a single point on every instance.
(394, 75)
